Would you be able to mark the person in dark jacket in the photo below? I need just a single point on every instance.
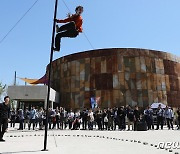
(21, 118)
(13, 117)
(110, 113)
(99, 118)
(160, 117)
(148, 115)
(26, 117)
(136, 117)
(178, 113)
(122, 118)
(84, 116)
(116, 118)
(130, 117)
(105, 119)
(4, 116)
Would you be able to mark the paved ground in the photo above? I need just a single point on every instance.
(88, 142)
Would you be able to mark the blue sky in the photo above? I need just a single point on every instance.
(149, 24)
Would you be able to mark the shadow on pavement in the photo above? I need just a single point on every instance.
(20, 152)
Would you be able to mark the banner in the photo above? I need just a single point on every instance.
(94, 102)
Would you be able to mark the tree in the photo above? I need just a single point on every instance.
(2, 90)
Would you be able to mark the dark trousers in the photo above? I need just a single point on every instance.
(110, 124)
(116, 122)
(67, 30)
(3, 127)
(178, 122)
(135, 125)
(21, 121)
(90, 125)
(99, 123)
(76, 124)
(106, 125)
(169, 123)
(40, 123)
(70, 121)
(50, 122)
(122, 123)
(160, 121)
(84, 124)
(149, 122)
(61, 123)
(13, 121)
(56, 123)
(32, 121)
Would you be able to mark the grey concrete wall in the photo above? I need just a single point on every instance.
(32, 93)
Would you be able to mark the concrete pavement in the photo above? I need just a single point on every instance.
(88, 142)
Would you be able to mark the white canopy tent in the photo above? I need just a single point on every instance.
(155, 105)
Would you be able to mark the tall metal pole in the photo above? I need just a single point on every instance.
(15, 79)
(49, 76)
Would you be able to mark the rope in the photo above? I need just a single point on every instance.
(88, 40)
(18, 21)
(152, 145)
(54, 139)
(82, 32)
(66, 6)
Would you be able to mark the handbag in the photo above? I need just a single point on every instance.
(105, 119)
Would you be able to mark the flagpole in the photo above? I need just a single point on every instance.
(49, 76)
(15, 79)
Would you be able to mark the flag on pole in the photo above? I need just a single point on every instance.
(98, 100)
(94, 102)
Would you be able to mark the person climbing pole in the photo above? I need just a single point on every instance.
(71, 29)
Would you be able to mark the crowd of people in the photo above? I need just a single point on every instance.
(122, 118)
(117, 118)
